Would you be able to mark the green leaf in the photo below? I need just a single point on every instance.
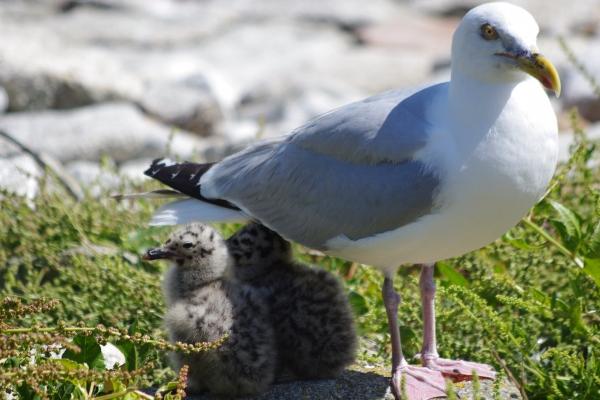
(69, 365)
(90, 353)
(113, 386)
(130, 352)
(592, 269)
(576, 322)
(358, 302)
(26, 392)
(408, 334)
(64, 391)
(451, 275)
(518, 242)
(169, 387)
(567, 223)
(593, 243)
(135, 354)
(539, 296)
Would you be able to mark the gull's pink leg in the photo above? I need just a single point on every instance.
(456, 369)
(420, 383)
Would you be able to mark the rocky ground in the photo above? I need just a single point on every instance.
(85, 79)
(358, 383)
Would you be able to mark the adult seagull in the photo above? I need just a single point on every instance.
(402, 179)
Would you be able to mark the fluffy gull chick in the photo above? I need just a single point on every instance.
(311, 315)
(204, 304)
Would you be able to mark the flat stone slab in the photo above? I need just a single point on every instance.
(359, 383)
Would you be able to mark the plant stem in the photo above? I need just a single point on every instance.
(509, 374)
(46, 329)
(144, 395)
(114, 395)
(154, 342)
(542, 232)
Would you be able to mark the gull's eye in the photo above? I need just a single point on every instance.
(488, 32)
(188, 245)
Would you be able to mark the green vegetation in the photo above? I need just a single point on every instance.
(70, 279)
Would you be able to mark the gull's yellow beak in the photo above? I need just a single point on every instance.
(539, 67)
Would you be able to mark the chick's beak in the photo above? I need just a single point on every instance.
(539, 67)
(156, 254)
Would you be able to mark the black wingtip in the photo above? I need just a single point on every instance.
(157, 165)
(184, 177)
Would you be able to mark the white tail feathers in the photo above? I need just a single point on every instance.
(192, 210)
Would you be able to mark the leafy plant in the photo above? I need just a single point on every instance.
(66, 362)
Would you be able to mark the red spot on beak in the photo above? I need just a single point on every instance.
(546, 82)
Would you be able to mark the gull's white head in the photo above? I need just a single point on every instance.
(497, 42)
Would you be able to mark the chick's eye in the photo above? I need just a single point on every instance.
(187, 245)
(488, 32)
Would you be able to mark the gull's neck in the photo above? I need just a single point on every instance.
(475, 105)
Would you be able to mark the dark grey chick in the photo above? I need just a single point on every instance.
(313, 322)
(205, 303)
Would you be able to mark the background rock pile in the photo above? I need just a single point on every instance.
(85, 79)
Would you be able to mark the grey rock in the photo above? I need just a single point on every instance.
(54, 61)
(344, 13)
(148, 47)
(119, 130)
(41, 91)
(65, 61)
(194, 109)
(93, 177)
(3, 100)
(283, 105)
(360, 384)
(20, 174)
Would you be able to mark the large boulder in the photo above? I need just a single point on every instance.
(188, 107)
(118, 130)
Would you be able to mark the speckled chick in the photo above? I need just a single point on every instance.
(313, 322)
(204, 303)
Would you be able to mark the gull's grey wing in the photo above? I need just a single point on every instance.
(388, 127)
(350, 172)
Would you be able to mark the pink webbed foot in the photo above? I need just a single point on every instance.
(420, 383)
(459, 370)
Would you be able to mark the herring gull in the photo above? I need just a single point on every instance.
(401, 178)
